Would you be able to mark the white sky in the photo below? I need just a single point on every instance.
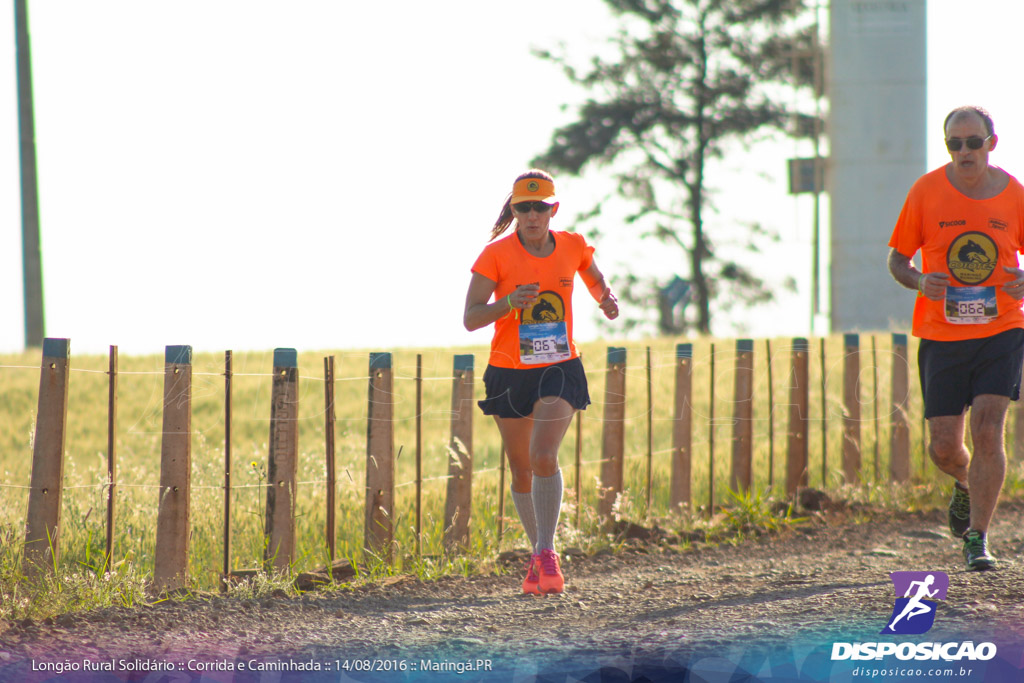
(234, 175)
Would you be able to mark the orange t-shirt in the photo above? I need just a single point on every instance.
(970, 240)
(541, 334)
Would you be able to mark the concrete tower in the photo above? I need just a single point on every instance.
(876, 132)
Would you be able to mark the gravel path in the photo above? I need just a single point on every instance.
(774, 604)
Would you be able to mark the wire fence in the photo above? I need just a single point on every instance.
(846, 436)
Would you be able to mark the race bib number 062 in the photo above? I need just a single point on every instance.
(971, 305)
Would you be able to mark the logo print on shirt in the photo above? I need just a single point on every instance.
(914, 612)
(548, 308)
(972, 257)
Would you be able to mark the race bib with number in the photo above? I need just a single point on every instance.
(544, 343)
(971, 305)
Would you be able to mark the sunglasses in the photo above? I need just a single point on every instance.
(973, 142)
(525, 207)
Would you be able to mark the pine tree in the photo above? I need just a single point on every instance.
(692, 77)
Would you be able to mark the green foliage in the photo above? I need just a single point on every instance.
(754, 510)
(691, 78)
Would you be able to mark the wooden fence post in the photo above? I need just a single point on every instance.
(281, 460)
(111, 454)
(42, 531)
(419, 458)
(899, 458)
(460, 457)
(649, 480)
(824, 417)
(799, 424)
(875, 398)
(851, 409)
(682, 428)
(743, 417)
(771, 415)
(228, 376)
(1017, 453)
(380, 458)
(613, 430)
(501, 492)
(577, 465)
(329, 422)
(172, 524)
(711, 435)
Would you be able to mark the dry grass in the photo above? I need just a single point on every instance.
(138, 444)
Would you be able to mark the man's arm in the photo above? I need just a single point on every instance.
(932, 285)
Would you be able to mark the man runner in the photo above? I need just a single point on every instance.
(967, 220)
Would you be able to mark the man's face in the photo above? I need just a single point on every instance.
(968, 129)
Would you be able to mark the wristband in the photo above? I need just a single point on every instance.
(511, 309)
(920, 281)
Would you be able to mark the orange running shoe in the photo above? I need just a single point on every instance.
(551, 579)
(530, 583)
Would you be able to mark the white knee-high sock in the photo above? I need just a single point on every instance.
(547, 504)
(524, 506)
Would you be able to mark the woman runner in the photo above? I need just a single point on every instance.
(534, 378)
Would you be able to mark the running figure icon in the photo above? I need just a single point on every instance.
(915, 606)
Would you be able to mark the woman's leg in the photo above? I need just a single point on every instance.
(515, 433)
(551, 418)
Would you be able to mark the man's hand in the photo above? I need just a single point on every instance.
(1014, 287)
(933, 285)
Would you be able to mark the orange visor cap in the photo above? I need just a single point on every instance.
(533, 190)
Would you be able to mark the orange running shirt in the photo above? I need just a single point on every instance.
(970, 240)
(541, 334)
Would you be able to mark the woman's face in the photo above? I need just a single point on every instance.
(534, 220)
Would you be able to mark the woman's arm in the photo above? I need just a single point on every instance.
(479, 313)
(600, 290)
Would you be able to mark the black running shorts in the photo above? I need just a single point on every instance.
(954, 372)
(513, 393)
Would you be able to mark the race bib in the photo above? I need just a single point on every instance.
(971, 305)
(544, 343)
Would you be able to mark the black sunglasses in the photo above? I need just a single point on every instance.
(973, 142)
(539, 207)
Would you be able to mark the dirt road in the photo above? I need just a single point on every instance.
(773, 607)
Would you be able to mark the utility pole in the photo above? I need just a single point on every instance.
(819, 175)
(808, 175)
(32, 262)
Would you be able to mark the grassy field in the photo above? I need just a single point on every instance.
(138, 437)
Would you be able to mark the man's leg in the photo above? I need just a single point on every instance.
(947, 450)
(946, 446)
(988, 463)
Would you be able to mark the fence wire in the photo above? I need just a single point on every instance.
(661, 412)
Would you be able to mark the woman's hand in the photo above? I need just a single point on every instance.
(523, 295)
(609, 304)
